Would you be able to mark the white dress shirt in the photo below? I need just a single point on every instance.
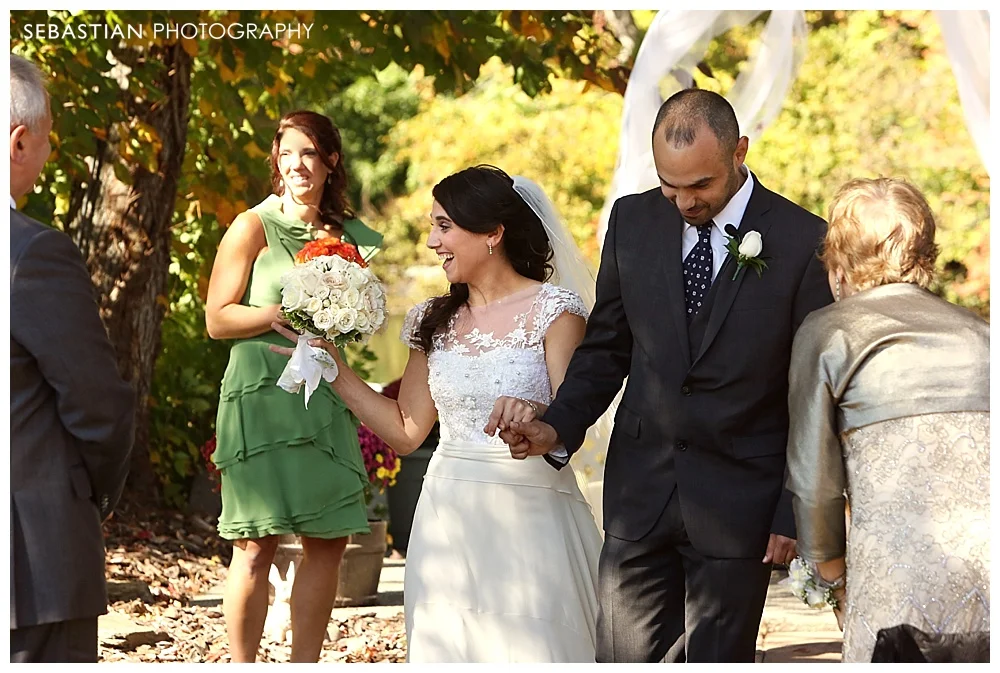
(732, 214)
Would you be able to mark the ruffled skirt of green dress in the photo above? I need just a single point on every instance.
(285, 468)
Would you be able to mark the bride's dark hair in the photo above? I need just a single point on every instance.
(479, 199)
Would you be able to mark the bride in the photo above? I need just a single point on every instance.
(503, 554)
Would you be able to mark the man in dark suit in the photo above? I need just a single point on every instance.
(694, 506)
(70, 416)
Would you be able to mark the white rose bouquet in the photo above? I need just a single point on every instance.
(330, 294)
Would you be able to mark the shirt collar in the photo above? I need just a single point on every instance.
(13, 203)
(733, 212)
(737, 206)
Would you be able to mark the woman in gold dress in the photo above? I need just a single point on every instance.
(889, 404)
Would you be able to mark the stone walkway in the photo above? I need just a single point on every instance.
(790, 632)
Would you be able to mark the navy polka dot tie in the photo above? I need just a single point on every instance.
(698, 271)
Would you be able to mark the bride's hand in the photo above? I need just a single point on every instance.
(293, 336)
(508, 410)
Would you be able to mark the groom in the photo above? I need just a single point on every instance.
(694, 506)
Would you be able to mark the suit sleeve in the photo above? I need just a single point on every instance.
(813, 293)
(55, 318)
(601, 362)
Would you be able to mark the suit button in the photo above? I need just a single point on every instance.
(682, 446)
(685, 391)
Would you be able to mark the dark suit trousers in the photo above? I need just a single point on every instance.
(660, 600)
(69, 642)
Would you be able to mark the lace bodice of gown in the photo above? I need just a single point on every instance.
(488, 352)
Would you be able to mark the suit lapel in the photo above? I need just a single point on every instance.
(668, 221)
(753, 220)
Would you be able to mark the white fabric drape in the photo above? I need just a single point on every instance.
(676, 41)
(966, 36)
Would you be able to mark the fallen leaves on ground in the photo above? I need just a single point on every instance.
(198, 634)
(178, 556)
(181, 558)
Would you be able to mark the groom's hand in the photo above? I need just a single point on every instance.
(780, 549)
(536, 439)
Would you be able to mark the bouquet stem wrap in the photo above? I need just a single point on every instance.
(307, 366)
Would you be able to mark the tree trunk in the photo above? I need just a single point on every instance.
(124, 232)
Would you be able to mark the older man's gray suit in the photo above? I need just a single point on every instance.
(71, 425)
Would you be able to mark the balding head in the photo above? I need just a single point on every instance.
(698, 154)
(688, 111)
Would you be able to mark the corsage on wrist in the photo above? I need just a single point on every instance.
(805, 582)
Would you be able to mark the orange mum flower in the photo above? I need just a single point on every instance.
(330, 247)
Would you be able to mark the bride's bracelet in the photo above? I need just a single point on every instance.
(530, 404)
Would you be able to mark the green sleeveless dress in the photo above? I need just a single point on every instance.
(285, 468)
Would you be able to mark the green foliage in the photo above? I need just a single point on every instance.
(876, 97)
(361, 358)
(366, 112)
(185, 393)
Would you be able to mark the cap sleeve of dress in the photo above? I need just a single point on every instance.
(408, 335)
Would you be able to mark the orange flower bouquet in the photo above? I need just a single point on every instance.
(330, 247)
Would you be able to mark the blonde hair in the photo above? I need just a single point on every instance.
(880, 231)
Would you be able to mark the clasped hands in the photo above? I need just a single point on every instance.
(516, 420)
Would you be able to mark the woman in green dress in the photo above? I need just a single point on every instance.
(285, 468)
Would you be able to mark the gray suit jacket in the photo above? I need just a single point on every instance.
(71, 425)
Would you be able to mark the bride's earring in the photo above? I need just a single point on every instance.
(836, 291)
(490, 246)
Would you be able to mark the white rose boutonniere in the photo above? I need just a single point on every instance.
(745, 250)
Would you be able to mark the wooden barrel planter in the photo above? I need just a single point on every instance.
(360, 568)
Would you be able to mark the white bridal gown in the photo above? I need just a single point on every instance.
(503, 554)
